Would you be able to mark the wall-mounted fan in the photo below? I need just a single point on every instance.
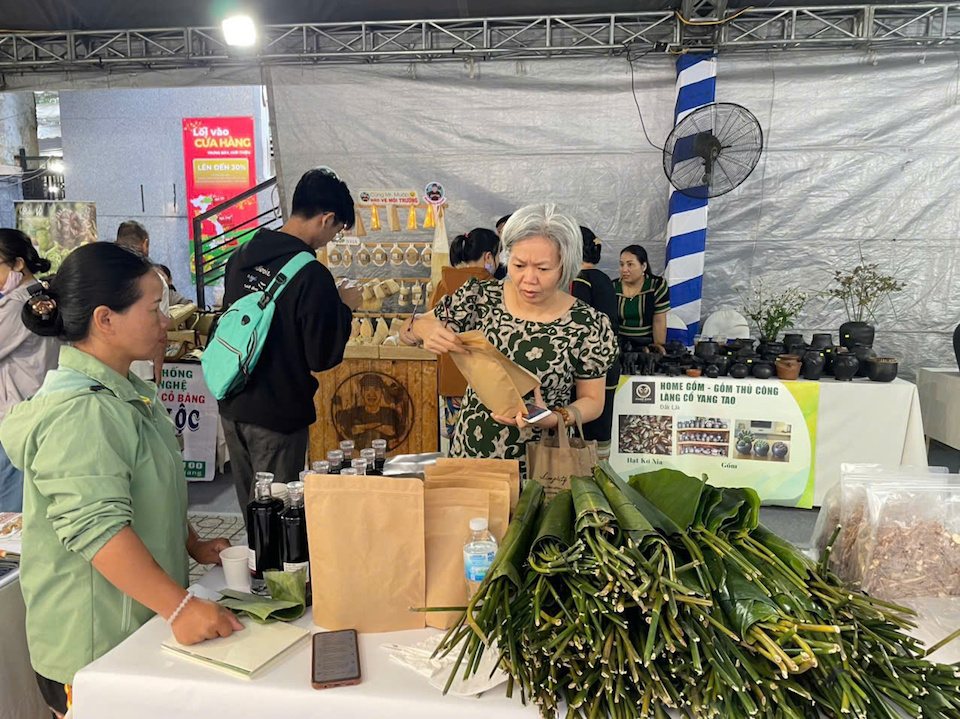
(712, 150)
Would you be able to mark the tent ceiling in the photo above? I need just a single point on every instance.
(122, 14)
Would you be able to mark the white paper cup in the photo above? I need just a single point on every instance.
(235, 568)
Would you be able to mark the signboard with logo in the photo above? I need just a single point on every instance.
(740, 433)
(219, 159)
(387, 197)
(194, 412)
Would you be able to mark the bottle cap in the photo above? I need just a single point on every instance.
(295, 490)
(264, 477)
(368, 454)
(335, 455)
(347, 444)
(348, 472)
(321, 467)
(478, 524)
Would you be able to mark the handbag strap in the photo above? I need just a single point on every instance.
(563, 439)
(578, 418)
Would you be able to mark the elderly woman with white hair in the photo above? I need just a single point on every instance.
(531, 319)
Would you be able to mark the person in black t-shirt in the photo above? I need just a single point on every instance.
(267, 423)
(596, 289)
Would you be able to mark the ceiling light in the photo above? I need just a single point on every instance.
(240, 31)
(55, 166)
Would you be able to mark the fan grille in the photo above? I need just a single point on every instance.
(713, 150)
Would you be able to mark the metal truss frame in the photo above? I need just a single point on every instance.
(852, 26)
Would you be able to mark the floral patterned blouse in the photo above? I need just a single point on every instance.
(580, 345)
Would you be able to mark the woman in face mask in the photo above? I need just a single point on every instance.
(473, 255)
(25, 358)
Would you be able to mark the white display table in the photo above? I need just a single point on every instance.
(939, 391)
(19, 695)
(139, 679)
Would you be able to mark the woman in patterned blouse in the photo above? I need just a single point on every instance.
(532, 320)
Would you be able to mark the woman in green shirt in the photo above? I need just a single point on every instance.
(643, 301)
(105, 532)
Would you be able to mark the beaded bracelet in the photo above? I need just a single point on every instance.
(176, 613)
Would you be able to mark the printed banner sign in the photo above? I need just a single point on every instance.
(740, 433)
(57, 227)
(194, 411)
(219, 156)
(388, 197)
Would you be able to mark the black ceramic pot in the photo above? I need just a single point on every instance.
(856, 333)
(738, 370)
(882, 369)
(813, 363)
(744, 447)
(830, 354)
(862, 354)
(761, 447)
(723, 363)
(779, 450)
(763, 370)
(821, 340)
(674, 347)
(845, 366)
(791, 341)
(706, 349)
(711, 371)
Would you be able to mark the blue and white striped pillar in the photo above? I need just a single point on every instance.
(687, 218)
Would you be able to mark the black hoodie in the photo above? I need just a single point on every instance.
(309, 331)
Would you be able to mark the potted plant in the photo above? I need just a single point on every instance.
(779, 450)
(744, 442)
(771, 311)
(761, 447)
(861, 290)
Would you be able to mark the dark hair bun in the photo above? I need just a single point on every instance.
(41, 315)
(41, 265)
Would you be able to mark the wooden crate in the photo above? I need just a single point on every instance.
(403, 394)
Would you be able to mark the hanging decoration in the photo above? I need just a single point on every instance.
(428, 221)
(393, 218)
(412, 218)
(375, 219)
(358, 227)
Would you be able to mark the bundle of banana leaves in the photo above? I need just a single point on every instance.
(631, 599)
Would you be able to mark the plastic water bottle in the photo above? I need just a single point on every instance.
(478, 554)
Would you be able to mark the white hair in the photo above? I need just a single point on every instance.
(544, 221)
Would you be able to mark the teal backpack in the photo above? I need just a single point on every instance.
(238, 340)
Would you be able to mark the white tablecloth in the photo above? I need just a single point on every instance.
(863, 421)
(939, 391)
(19, 696)
(140, 680)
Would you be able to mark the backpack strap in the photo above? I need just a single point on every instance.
(283, 277)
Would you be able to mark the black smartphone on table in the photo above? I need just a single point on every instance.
(336, 659)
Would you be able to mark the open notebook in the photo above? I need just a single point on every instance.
(245, 654)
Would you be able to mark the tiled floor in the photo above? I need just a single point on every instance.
(210, 526)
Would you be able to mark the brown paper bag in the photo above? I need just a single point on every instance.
(495, 491)
(499, 383)
(557, 458)
(367, 563)
(498, 466)
(447, 515)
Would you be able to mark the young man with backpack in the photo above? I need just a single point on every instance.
(267, 414)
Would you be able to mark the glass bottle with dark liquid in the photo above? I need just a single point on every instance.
(296, 554)
(265, 536)
(335, 461)
(370, 457)
(380, 447)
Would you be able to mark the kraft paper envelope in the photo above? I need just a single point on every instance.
(367, 563)
(500, 383)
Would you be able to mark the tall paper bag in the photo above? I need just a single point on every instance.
(500, 383)
(367, 562)
(447, 515)
(510, 467)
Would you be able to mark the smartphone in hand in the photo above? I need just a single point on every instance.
(535, 414)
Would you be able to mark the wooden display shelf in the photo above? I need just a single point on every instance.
(388, 352)
(404, 396)
(703, 444)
